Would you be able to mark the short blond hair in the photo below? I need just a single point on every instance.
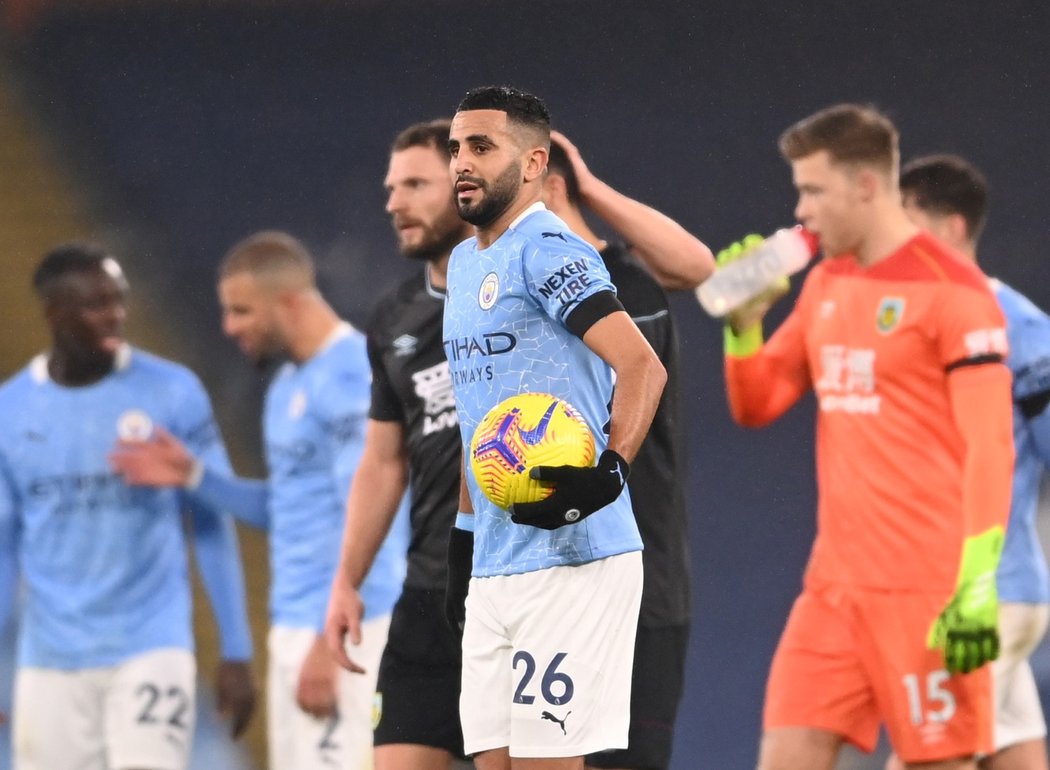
(272, 257)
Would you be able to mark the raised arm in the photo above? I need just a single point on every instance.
(675, 257)
(375, 494)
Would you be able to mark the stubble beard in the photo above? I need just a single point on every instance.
(497, 198)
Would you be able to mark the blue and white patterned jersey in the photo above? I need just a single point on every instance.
(505, 333)
(314, 430)
(104, 565)
(1023, 575)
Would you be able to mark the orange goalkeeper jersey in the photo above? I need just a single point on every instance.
(914, 446)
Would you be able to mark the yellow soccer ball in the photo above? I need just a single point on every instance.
(520, 433)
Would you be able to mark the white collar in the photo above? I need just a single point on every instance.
(537, 206)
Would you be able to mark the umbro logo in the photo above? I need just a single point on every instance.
(405, 345)
(551, 718)
(553, 235)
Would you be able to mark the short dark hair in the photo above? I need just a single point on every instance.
(72, 257)
(521, 107)
(948, 184)
(431, 133)
(558, 163)
(850, 133)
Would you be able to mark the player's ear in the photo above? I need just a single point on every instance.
(869, 182)
(535, 164)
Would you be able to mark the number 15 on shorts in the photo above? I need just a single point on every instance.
(928, 699)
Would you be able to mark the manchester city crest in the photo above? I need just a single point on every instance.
(489, 291)
(134, 425)
(889, 314)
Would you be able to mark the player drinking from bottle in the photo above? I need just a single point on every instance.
(903, 343)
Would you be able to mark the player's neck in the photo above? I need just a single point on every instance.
(437, 269)
(311, 329)
(491, 232)
(77, 370)
(891, 230)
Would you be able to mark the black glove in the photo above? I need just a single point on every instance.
(460, 564)
(578, 492)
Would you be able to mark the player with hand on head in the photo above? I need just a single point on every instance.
(903, 343)
(105, 648)
(412, 441)
(313, 427)
(948, 197)
(538, 691)
(678, 260)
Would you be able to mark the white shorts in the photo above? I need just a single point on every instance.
(299, 741)
(138, 714)
(1018, 713)
(547, 659)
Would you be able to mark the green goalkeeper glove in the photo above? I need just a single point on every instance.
(968, 627)
(743, 330)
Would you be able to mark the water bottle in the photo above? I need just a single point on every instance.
(784, 252)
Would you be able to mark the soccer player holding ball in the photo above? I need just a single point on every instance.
(552, 608)
(903, 343)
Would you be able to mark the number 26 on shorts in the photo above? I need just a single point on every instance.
(556, 687)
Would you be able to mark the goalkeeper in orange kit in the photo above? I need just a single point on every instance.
(903, 343)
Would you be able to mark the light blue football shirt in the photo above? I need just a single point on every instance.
(104, 565)
(504, 334)
(314, 430)
(1023, 575)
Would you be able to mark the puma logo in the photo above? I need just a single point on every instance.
(551, 718)
(553, 235)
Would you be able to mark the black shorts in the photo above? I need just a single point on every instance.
(656, 689)
(419, 676)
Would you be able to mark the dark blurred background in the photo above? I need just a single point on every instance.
(170, 129)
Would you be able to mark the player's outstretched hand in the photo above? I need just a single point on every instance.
(967, 629)
(160, 461)
(755, 309)
(345, 610)
(578, 492)
(235, 686)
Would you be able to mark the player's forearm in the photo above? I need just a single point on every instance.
(676, 258)
(219, 563)
(373, 501)
(248, 500)
(982, 411)
(764, 380)
(639, 385)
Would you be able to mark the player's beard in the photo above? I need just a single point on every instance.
(438, 238)
(498, 195)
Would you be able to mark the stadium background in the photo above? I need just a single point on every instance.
(169, 129)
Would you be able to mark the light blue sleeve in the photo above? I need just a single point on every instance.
(248, 500)
(561, 273)
(9, 529)
(214, 535)
(343, 412)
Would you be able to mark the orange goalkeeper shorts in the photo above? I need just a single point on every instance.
(850, 659)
